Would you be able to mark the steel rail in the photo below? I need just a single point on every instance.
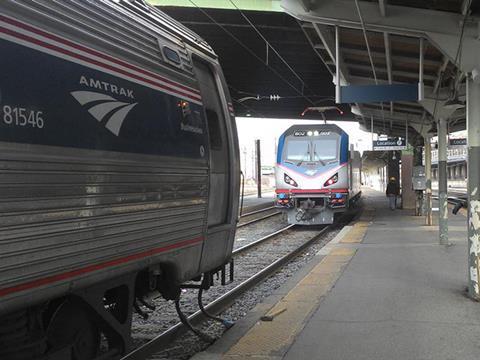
(220, 304)
(257, 211)
(261, 240)
(258, 219)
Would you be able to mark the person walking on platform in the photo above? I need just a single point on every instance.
(393, 190)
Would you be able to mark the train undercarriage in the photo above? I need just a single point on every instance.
(95, 323)
(315, 209)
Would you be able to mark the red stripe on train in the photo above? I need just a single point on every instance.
(311, 191)
(96, 267)
(92, 61)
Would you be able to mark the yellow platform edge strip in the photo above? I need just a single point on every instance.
(271, 339)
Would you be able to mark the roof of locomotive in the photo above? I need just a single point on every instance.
(318, 127)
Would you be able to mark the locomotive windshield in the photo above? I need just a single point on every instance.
(324, 149)
(312, 150)
(298, 150)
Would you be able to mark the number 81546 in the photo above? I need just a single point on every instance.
(18, 116)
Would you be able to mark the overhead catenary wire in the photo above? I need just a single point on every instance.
(251, 52)
(364, 30)
(268, 43)
(248, 108)
(256, 95)
(251, 110)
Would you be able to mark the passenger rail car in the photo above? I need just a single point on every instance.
(119, 171)
(317, 176)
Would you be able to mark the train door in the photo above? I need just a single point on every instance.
(219, 152)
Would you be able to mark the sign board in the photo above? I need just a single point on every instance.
(378, 93)
(457, 142)
(391, 143)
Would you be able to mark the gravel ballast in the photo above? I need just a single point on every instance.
(246, 265)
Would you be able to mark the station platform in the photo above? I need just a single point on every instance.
(382, 289)
(252, 202)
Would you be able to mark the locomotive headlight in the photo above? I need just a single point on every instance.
(289, 180)
(310, 133)
(315, 133)
(332, 180)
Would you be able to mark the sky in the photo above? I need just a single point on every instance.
(269, 130)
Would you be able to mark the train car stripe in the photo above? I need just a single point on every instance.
(311, 191)
(146, 78)
(91, 268)
(84, 60)
(94, 52)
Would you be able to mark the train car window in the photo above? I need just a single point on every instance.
(171, 55)
(214, 131)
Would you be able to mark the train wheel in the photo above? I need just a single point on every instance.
(72, 325)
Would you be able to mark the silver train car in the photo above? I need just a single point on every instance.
(317, 176)
(119, 171)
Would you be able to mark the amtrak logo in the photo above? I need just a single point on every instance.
(105, 108)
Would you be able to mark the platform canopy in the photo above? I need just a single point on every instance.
(264, 52)
(252, 5)
(380, 43)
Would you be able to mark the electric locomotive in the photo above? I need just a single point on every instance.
(317, 176)
(119, 172)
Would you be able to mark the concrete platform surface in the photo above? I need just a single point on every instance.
(397, 295)
(252, 202)
(402, 296)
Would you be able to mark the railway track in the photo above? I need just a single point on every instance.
(223, 302)
(257, 211)
(155, 348)
(257, 219)
(261, 240)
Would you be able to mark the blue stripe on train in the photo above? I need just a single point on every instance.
(281, 143)
(343, 147)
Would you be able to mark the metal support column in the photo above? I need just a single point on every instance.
(259, 168)
(473, 173)
(421, 90)
(428, 177)
(417, 161)
(338, 93)
(442, 182)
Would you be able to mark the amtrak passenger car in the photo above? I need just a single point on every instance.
(119, 172)
(317, 176)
